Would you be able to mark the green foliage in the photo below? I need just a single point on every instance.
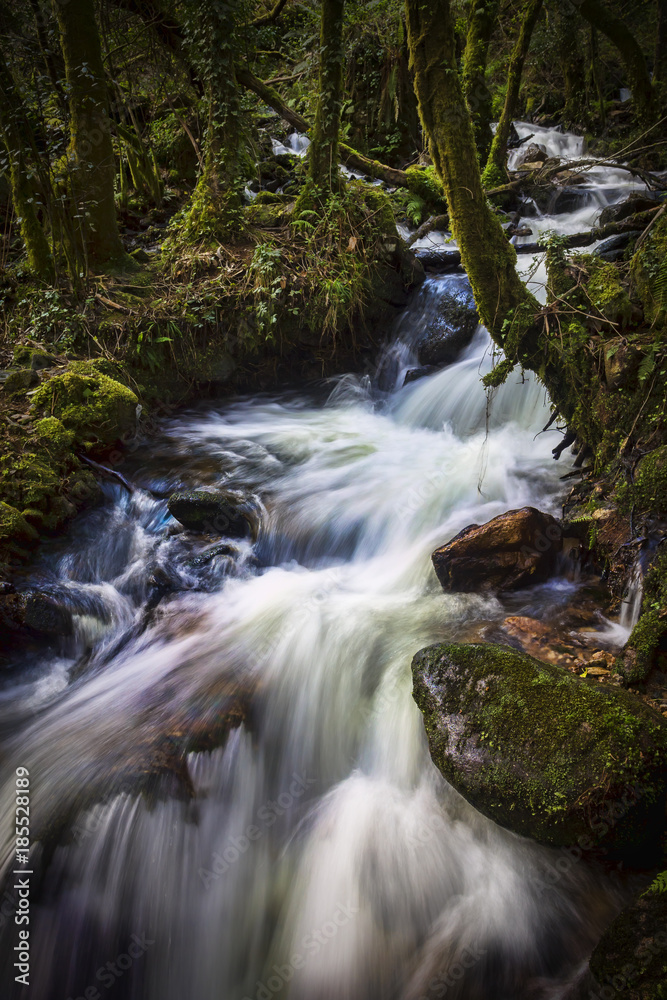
(659, 884)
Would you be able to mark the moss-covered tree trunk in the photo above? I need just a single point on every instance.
(482, 22)
(495, 173)
(324, 148)
(27, 191)
(215, 210)
(487, 256)
(91, 156)
(630, 51)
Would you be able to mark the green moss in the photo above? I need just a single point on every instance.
(642, 649)
(88, 403)
(607, 292)
(649, 274)
(13, 525)
(424, 182)
(54, 433)
(551, 752)
(648, 492)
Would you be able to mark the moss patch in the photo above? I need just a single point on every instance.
(88, 403)
(542, 752)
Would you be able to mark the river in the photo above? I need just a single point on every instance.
(317, 854)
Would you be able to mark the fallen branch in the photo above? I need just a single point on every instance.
(440, 222)
(112, 305)
(271, 16)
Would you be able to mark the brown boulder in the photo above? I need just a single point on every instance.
(516, 549)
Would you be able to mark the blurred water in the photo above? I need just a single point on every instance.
(318, 854)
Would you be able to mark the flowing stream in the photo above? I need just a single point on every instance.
(317, 854)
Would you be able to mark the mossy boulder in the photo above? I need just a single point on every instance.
(213, 513)
(631, 958)
(544, 753)
(14, 529)
(54, 433)
(514, 550)
(645, 649)
(19, 381)
(87, 402)
(33, 357)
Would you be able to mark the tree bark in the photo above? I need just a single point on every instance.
(324, 148)
(486, 254)
(483, 20)
(618, 32)
(495, 170)
(91, 156)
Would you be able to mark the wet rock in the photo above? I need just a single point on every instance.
(532, 156)
(543, 753)
(517, 549)
(452, 328)
(413, 374)
(631, 958)
(33, 614)
(633, 204)
(439, 259)
(613, 249)
(218, 513)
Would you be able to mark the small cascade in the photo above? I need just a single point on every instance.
(632, 599)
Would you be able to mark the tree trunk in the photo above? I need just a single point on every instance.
(660, 53)
(487, 256)
(573, 66)
(91, 155)
(215, 209)
(324, 148)
(596, 77)
(495, 172)
(483, 20)
(618, 32)
(23, 172)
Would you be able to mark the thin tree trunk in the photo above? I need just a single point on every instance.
(324, 148)
(618, 32)
(91, 155)
(495, 172)
(483, 20)
(486, 254)
(216, 201)
(23, 171)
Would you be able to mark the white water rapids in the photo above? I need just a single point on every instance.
(319, 854)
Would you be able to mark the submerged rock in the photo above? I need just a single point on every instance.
(31, 614)
(413, 374)
(451, 329)
(218, 513)
(516, 549)
(544, 753)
